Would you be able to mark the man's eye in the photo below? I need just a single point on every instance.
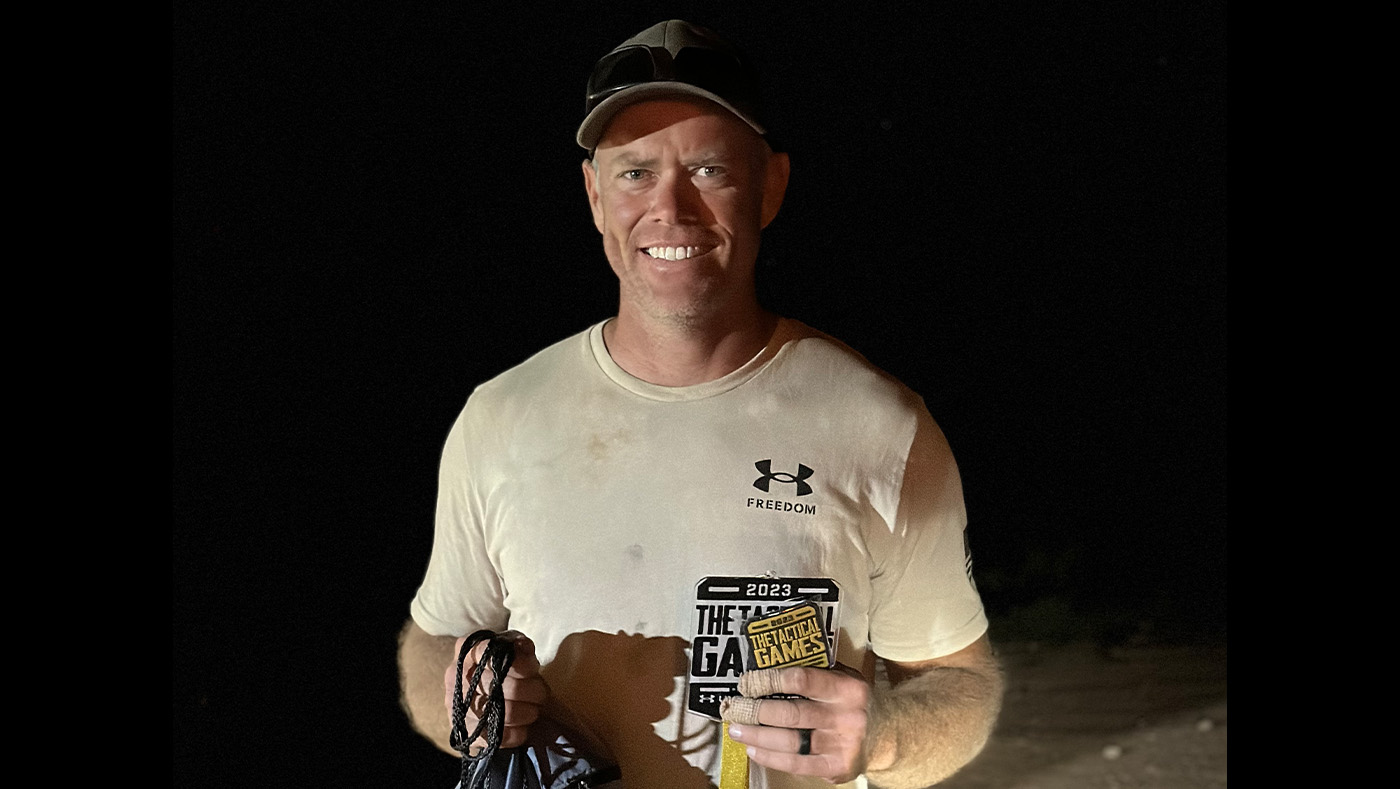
(711, 171)
(633, 175)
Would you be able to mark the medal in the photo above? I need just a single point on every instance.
(744, 623)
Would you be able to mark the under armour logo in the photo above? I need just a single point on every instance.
(765, 467)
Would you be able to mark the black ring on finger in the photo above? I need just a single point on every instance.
(804, 742)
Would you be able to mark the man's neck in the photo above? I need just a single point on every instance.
(689, 353)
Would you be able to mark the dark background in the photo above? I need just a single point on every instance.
(1020, 213)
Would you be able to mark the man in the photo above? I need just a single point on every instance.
(585, 494)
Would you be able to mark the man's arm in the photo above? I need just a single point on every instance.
(935, 716)
(423, 660)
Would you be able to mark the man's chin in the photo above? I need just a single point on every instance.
(675, 314)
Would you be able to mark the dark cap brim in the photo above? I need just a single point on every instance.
(593, 126)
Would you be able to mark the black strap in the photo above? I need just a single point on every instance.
(498, 655)
(515, 769)
(596, 778)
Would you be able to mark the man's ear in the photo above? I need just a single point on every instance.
(775, 181)
(590, 185)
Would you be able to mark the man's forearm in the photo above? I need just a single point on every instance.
(423, 662)
(928, 726)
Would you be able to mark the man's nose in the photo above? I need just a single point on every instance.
(675, 200)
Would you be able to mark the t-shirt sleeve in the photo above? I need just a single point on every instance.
(924, 601)
(461, 590)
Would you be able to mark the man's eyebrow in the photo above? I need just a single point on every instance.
(711, 156)
(707, 160)
(698, 159)
(636, 160)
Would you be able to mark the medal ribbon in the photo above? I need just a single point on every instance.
(734, 763)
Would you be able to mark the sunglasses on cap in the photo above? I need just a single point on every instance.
(721, 73)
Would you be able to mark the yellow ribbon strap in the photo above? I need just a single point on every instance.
(734, 763)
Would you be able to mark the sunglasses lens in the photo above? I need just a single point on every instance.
(619, 70)
(720, 73)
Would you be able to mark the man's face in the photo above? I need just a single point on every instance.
(680, 193)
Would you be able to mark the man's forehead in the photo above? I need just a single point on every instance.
(701, 125)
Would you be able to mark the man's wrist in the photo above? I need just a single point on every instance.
(881, 747)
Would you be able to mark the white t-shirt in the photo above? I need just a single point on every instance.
(580, 505)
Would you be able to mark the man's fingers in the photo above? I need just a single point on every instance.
(526, 689)
(819, 734)
(831, 767)
(518, 713)
(514, 736)
(517, 693)
(792, 714)
(522, 686)
(523, 699)
(787, 713)
(830, 755)
(817, 684)
(525, 664)
(739, 709)
(511, 737)
(770, 738)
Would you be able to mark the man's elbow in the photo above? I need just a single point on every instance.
(423, 663)
(934, 720)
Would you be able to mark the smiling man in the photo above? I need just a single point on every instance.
(631, 501)
(680, 190)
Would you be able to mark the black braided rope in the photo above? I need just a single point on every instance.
(498, 656)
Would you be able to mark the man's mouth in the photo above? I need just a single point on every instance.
(675, 253)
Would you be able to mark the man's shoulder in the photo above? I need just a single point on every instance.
(838, 363)
(540, 372)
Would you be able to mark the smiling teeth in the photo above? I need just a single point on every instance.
(673, 253)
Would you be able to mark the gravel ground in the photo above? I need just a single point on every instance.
(1078, 717)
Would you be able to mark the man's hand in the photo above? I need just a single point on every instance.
(524, 689)
(833, 714)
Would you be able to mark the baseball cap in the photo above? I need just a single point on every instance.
(671, 58)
